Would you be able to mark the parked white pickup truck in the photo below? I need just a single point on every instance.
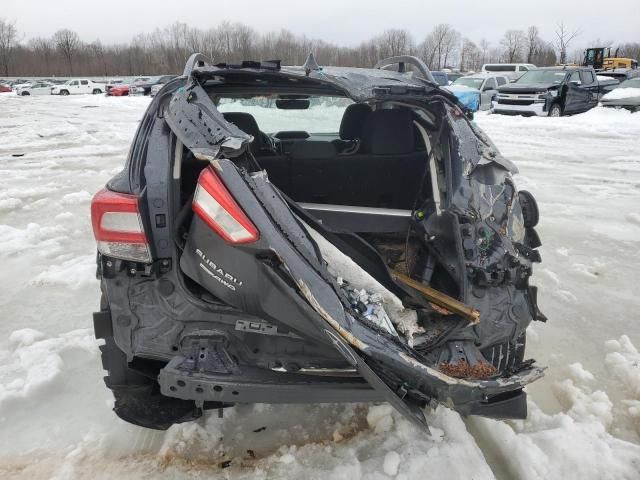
(77, 86)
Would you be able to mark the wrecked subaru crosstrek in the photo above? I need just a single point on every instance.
(307, 234)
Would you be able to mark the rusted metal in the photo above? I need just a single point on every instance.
(441, 299)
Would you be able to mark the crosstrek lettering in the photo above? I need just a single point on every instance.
(218, 273)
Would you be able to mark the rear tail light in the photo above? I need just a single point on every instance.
(117, 226)
(214, 204)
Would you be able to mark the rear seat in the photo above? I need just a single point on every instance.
(384, 173)
(372, 191)
(387, 170)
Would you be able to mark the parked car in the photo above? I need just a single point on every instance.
(511, 70)
(476, 92)
(441, 78)
(118, 90)
(115, 82)
(4, 88)
(77, 86)
(620, 74)
(229, 268)
(626, 96)
(553, 91)
(18, 82)
(144, 88)
(35, 88)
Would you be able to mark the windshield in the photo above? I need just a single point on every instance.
(472, 82)
(632, 83)
(323, 115)
(543, 76)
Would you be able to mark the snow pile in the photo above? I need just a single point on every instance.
(621, 93)
(55, 412)
(33, 361)
(574, 444)
(623, 362)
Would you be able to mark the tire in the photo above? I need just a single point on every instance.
(25, 94)
(96, 91)
(64, 93)
(555, 110)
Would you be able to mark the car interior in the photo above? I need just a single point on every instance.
(365, 178)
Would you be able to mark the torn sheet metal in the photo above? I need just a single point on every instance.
(197, 123)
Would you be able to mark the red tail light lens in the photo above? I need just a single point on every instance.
(214, 204)
(117, 226)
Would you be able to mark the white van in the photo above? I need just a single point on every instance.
(511, 70)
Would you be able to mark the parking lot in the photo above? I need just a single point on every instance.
(584, 170)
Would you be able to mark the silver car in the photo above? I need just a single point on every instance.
(477, 91)
(626, 96)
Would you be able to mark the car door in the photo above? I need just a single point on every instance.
(488, 93)
(84, 86)
(576, 96)
(74, 87)
(590, 84)
(41, 89)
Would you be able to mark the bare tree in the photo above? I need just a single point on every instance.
(513, 43)
(470, 56)
(395, 42)
(484, 48)
(545, 55)
(440, 45)
(630, 50)
(44, 48)
(166, 49)
(8, 42)
(97, 51)
(533, 42)
(563, 39)
(67, 42)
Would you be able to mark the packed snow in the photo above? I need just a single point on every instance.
(55, 413)
(622, 93)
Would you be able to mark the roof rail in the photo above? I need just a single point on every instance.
(195, 60)
(402, 61)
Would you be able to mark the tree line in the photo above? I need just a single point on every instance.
(166, 49)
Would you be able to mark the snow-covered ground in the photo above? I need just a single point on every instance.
(55, 417)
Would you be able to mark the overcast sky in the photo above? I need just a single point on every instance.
(347, 22)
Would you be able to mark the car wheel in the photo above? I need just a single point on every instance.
(24, 94)
(96, 91)
(555, 110)
(64, 92)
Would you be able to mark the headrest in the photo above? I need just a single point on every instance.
(248, 124)
(389, 132)
(353, 121)
(312, 149)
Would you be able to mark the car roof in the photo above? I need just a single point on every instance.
(359, 84)
(350, 78)
(563, 68)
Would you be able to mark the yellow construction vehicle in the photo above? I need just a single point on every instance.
(600, 58)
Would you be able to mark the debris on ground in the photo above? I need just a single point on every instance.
(463, 369)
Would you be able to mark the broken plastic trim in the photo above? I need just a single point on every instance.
(201, 127)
